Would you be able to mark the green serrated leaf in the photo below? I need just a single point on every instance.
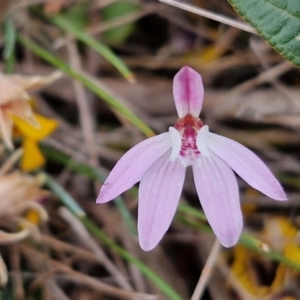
(277, 21)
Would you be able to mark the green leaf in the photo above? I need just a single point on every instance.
(277, 21)
(116, 10)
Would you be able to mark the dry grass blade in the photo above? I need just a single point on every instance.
(86, 117)
(207, 271)
(43, 263)
(89, 243)
(211, 15)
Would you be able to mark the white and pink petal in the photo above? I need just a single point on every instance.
(176, 143)
(247, 165)
(188, 92)
(217, 189)
(159, 194)
(201, 140)
(132, 166)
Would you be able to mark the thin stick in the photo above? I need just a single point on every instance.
(206, 271)
(86, 120)
(266, 76)
(84, 236)
(9, 163)
(54, 291)
(211, 15)
(54, 267)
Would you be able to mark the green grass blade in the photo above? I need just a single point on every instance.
(62, 22)
(245, 240)
(185, 208)
(63, 195)
(258, 246)
(277, 21)
(87, 82)
(9, 45)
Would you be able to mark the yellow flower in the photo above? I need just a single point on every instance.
(32, 157)
(14, 101)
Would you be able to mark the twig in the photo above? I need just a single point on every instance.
(104, 26)
(207, 270)
(75, 251)
(137, 278)
(265, 76)
(80, 279)
(9, 163)
(92, 245)
(122, 20)
(43, 263)
(3, 272)
(211, 15)
(17, 279)
(4, 7)
(83, 106)
(25, 3)
(54, 291)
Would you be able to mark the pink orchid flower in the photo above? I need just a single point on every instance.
(160, 162)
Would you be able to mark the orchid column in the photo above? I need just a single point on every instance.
(159, 163)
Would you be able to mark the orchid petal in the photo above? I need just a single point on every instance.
(201, 140)
(176, 143)
(247, 165)
(188, 92)
(217, 189)
(159, 194)
(132, 166)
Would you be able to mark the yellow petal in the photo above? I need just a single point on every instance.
(47, 126)
(32, 157)
(33, 217)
